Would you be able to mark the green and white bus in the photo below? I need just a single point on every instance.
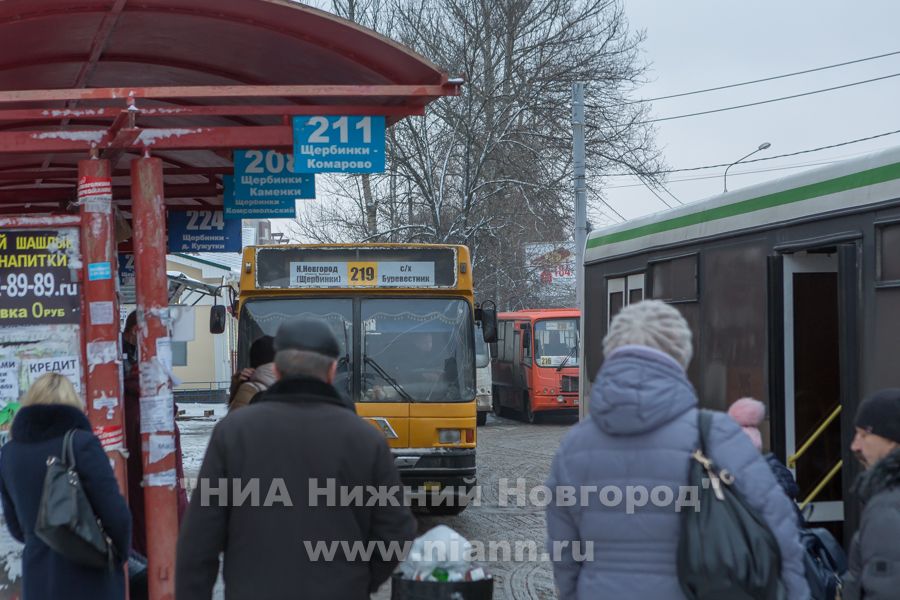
(792, 290)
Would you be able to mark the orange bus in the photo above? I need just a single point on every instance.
(535, 362)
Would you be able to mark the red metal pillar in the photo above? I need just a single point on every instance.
(103, 391)
(157, 405)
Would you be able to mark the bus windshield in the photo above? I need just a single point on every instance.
(416, 350)
(482, 356)
(556, 342)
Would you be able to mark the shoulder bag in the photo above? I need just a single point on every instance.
(725, 550)
(66, 521)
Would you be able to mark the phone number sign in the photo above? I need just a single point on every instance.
(338, 144)
(36, 277)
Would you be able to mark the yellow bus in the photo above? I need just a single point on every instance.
(404, 316)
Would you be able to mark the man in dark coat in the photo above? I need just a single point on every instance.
(874, 552)
(299, 445)
(37, 433)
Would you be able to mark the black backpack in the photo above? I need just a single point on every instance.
(824, 561)
(725, 550)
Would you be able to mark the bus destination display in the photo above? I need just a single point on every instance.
(364, 267)
(36, 278)
(362, 274)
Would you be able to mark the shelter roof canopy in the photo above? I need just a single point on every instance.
(200, 77)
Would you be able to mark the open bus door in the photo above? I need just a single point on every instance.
(814, 374)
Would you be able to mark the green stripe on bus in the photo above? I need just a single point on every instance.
(806, 192)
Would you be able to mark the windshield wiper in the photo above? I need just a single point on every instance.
(565, 361)
(384, 375)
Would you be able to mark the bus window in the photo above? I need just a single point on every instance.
(556, 342)
(263, 316)
(526, 344)
(417, 350)
(482, 356)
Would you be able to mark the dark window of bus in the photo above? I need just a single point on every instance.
(888, 237)
(675, 280)
(497, 347)
(526, 344)
(635, 295)
(616, 302)
(509, 342)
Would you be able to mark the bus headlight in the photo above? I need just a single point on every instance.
(448, 436)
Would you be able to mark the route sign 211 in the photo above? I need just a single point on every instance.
(339, 144)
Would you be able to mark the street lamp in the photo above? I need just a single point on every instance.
(763, 146)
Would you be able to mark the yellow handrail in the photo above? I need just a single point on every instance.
(834, 471)
(792, 461)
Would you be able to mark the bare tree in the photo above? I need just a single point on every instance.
(493, 168)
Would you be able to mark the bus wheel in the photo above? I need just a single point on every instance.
(481, 417)
(495, 402)
(530, 416)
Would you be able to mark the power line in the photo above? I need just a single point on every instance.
(733, 174)
(799, 152)
(764, 79)
(769, 101)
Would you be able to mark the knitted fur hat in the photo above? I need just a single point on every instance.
(749, 414)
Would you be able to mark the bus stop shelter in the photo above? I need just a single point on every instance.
(126, 110)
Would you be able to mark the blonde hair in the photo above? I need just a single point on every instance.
(654, 324)
(52, 388)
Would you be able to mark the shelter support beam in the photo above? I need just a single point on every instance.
(157, 405)
(103, 385)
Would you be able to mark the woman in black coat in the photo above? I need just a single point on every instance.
(50, 409)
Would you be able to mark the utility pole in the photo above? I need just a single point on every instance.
(580, 225)
(580, 188)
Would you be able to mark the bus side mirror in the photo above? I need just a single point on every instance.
(217, 315)
(487, 315)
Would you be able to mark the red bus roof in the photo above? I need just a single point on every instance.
(534, 314)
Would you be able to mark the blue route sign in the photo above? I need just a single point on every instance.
(339, 144)
(203, 231)
(265, 186)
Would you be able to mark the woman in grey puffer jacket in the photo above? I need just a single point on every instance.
(640, 434)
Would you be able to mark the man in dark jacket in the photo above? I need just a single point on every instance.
(300, 446)
(874, 552)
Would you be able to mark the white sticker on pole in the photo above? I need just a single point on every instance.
(101, 353)
(161, 479)
(161, 446)
(9, 379)
(406, 274)
(70, 366)
(101, 313)
(164, 353)
(95, 194)
(108, 404)
(157, 413)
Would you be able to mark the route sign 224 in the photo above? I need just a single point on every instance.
(339, 144)
(203, 231)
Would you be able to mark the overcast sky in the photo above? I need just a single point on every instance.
(697, 44)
